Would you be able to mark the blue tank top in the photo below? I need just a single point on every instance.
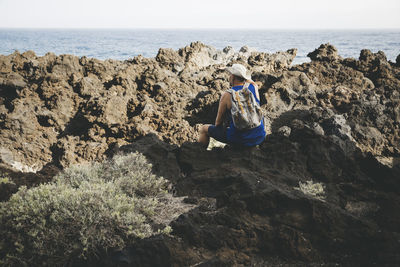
(250, 137)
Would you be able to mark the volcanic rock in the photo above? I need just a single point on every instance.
(326, 52)
(64, 109)
(251, 211)
(398, 61)
(323, 189)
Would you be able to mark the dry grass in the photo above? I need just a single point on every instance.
(312, 189)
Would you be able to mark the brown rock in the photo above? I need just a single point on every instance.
(343, 116)
(326, 52)
(110, 101)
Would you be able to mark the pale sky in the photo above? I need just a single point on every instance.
(263, 14)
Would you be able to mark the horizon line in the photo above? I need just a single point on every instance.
(195, 28)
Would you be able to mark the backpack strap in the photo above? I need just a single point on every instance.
(239, 103)
(231, 91)
(246, 85)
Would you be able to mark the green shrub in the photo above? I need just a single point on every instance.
(5, 180)
(87, 208)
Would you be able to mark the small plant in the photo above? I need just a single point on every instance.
(87, 208)
(315, 190)
(5, 180)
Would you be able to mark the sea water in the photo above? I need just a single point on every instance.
(123, 44)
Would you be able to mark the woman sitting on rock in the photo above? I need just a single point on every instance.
(233, 135)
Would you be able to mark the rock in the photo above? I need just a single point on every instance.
(398, 61)
(370, 139)
(251, 209)
(89, 86)
(246, 51)
(13, 81)
(200, 55)
(318, 129)
(332, 122)
(297, 124)
(366, 55)
(108, 102)
(162, 155)
(271, 63)
(171, 58)
(326, 52)
(284, 131)
(89, 101)
(292, 89)
(229, 51)
(66, 65)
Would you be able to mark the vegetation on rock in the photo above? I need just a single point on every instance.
(312, 189)
(86, 209)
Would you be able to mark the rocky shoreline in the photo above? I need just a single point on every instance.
(64, 109)
(334, 121)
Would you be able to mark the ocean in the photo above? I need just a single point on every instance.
(127, 43)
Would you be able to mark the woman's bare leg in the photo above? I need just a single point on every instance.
(204, 138)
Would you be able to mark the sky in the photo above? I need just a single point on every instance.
(206, 14)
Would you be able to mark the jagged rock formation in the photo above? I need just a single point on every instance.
(334, 121)
(251, 212)
(363, 93)
(66, 109)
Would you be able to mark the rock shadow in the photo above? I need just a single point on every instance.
(287, 117)
(160, 154)
(77, 126)
(200, 112)
(230, 186)
(28, 179)
(327, 139)
(8, 94)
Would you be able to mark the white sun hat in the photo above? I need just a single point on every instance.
(239, 70)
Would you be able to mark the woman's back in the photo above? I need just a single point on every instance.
(250, 137)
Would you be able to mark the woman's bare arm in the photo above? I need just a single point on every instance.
(223, 105)
(255, 87)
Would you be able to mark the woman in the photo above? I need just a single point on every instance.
(232, 135)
